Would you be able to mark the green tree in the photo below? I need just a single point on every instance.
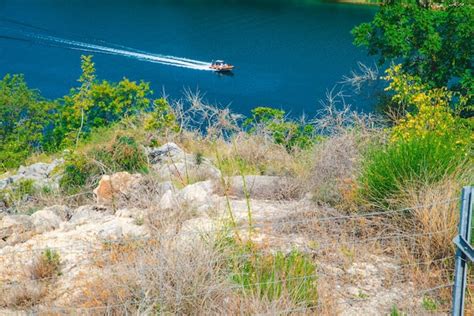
(29, 123)
(97, 104)
(25, 121)
(434, 42)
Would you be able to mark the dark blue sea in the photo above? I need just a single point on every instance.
(287, 55)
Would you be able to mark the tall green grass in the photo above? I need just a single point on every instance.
(273, 276)
(389, 170)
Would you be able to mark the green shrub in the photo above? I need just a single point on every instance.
(17, 192)
(124, 154)
(24, 118)
(283, 131)
(127, 155)
(78, 173)
(31, 124)
(429, 304)
(162, 118)
(271, 276)
(395, 311)
(390, 169)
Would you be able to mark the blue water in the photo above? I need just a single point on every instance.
(286, 55)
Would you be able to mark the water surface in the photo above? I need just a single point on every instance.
(286, 55)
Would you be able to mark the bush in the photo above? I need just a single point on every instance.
(46, 266)
(124, 154)
(408, 163)
(271, 276)
(272, 122)
(24, 120)
(162, 118)
(31, 124)
(78, 173)
(428, 143)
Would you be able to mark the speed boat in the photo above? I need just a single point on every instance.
(221, 66)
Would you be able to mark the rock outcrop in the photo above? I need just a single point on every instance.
(116, 187)
(170, 161)
(42, 174)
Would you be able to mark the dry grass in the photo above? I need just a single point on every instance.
(173, 274)
(165, 276)
(435, 214)
(46, 266)
(42, 274)
(334, 169)
(22, 295)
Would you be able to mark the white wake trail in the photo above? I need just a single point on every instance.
(131, 53)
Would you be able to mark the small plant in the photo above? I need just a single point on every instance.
(429, 304)
(47, 265)
(199, 157)
(127, 155)
(395, 311)
(271, 276)
(84, 169)
(139, 221)
(17, 192)
(78, 171)
(288, 133)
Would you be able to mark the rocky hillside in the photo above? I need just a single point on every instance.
(128, 249)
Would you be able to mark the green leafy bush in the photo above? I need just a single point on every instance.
(79, 171)
(125, 154)
(283, 131)
(271, 276)
(97, 104)
(406, 163)
(162, 118)
(29, 123)
(84, 170)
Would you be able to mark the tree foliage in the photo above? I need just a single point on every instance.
(96, 104)
(30, 123)
(25, 121)
(272, 122)
(434, 42)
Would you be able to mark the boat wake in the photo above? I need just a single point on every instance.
(129, 52)
(124, 51)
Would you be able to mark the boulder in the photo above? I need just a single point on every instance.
(197, 193)
(168, 200)
(85, 214)
(166, 153)
(62, 211)
(15, 229)
(45, 220)
(135, 213)
(115, 187)
(40, 173)
(257, 187)
(170, 161)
